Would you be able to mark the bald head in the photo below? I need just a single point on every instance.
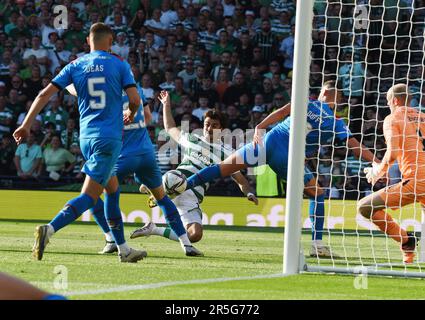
(398, 96)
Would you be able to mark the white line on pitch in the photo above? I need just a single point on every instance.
(168, 284)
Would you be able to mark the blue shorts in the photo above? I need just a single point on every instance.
(144, 167)
(273, 153)
(101, 156)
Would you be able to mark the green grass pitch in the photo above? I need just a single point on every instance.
(167, 274)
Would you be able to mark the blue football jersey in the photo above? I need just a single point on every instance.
(99, 79)
(136, 137)
(322, 127)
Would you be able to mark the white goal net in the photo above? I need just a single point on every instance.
(367, 47)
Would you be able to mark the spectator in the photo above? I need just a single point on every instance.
(75, 37)
(281, 27)
(224, 65)
(187, 74)
(222, 46)
(6, 118)
(169, 81)
(28, 158)
(182, 20)
(7, 152)
(22, 115)
(58, 56)
(79, 162)
(13, 103)
(287, 51)
(34, 83)
(222, 83)
(203, 107)
(233, 120)
(209, 37)
(49, 132)
(120, 47)
(238, 88)
(157, 27)
(256, 116)
(70, 136)
(40, 53)
(147, 89)
(266, 40)
(171, 49)
(250, 27)
(178, 92)
(167, 14)
(57, 160)
(56, 114)
(155, 73)
(208, 90)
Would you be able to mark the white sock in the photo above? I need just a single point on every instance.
(109, 237)
(50, 230)
(317, 243)
(184, 240)
(123, 248)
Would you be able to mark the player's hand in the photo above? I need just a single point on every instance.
(372, 173)
(257, 140)
(251, 197)
(128, 116)
(164, 96)
(20, 134)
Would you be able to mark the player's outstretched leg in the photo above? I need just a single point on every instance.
(98, 213)
(116, 225)
(206, 175)
(172, 217)
(72, 210)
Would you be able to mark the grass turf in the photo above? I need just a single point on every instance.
(229, 253)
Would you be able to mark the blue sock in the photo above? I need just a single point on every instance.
(113, 216)
(98, 212)
(206, 175)
(317, 216)
(172, 216)
(72, 211)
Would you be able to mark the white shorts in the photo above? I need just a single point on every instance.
(188, 207)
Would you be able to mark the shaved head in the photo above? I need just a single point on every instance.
(400, 91)
(100, 31)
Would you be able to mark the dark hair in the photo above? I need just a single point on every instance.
(99, 30)
(216, 115)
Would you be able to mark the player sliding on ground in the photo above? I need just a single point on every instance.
(404, 131)
(99, 78)
(199, 152)
(137, 157)
(322, 126)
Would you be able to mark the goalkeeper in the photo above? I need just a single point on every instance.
(404, 131)
(322, 126)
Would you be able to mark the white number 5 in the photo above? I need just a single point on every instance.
(96, 93)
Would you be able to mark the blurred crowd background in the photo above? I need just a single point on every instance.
(233, 56)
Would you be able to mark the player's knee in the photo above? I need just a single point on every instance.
(195, 233)
(364, 208)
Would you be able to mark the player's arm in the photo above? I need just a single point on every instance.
(272, 118)
(147, 113)
(361, 151)
(169, 123)
(244, 186)
(133, 104)
(392, 138)
(38, 104)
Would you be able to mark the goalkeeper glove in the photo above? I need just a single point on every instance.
(373, 173)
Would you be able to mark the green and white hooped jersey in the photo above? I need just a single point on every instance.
(198, 154)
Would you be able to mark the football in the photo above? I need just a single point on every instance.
(174, 182)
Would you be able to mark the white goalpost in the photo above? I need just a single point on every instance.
(366, 47)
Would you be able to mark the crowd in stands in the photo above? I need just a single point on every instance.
(234, 56)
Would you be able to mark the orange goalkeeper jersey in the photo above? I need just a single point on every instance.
(404, 132)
